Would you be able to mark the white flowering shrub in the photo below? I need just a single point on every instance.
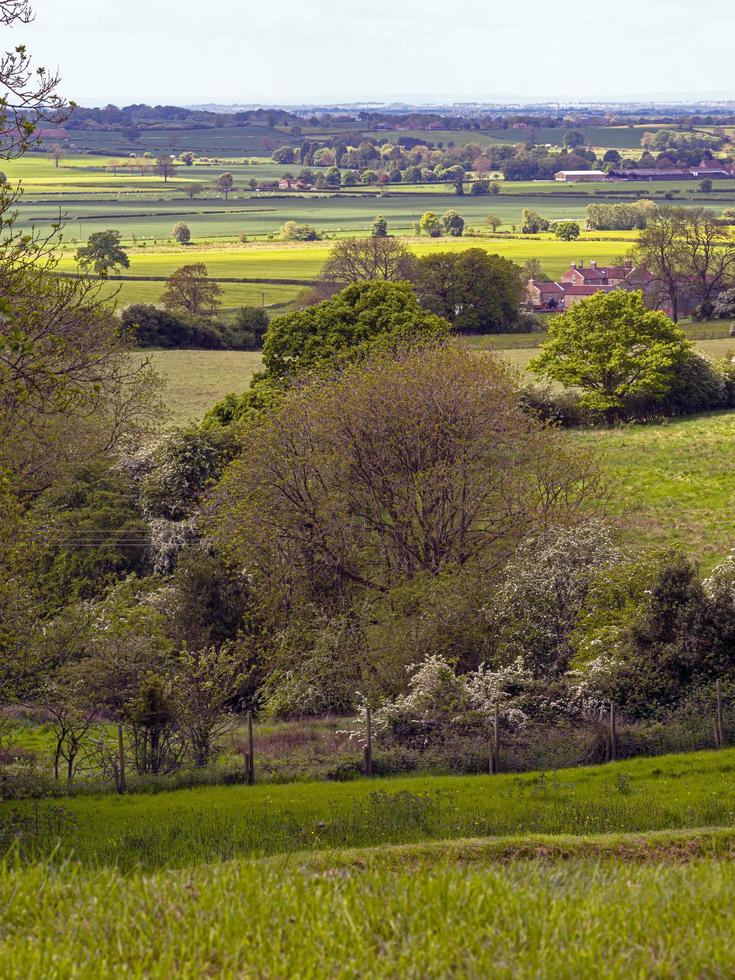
(168, 540)
(543, 591)
(721, 581)
(440, 703)
(186, 463)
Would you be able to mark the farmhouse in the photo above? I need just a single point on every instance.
(580, 176)
(576, 284)
(290, 184)
(580, 282)
(594, 275)
(709, 167)
(545, 295)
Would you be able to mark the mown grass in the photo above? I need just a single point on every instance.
(197, 379)
(234, 295)
(173, 829)
(674, 482)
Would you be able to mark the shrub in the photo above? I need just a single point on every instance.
(291, 231)
(724, 306)
(150, 326)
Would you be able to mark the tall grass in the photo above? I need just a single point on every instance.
(579, 919)
(219, 823)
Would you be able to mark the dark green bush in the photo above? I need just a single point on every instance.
(148, 326)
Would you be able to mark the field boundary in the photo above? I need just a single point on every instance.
(271, 282)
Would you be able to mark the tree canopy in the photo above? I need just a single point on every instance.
(191, 289)
(359, 259)
(365, 315)
(477, 292)
(612, 346)
(103, 253)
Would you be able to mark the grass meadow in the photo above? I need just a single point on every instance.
(191, 826)
(614, 871)
(535, 918)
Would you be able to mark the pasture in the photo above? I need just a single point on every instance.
(614, 871)
(302, 262)
(180, 828)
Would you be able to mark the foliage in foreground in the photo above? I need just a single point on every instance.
(581, 918)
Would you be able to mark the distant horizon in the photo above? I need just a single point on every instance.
(145, 51)
(424, 102)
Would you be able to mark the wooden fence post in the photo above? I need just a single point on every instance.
(369, 743)
(720, 725)
(120, 760)
(250, 754)
(613, 734)
(495, 748)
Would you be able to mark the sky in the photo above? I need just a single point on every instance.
(292, 51)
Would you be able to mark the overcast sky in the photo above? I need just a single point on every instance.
(190, 51)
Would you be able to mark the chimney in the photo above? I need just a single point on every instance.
(581, 265)
(593, 263)
(574, 265)
(629, 263)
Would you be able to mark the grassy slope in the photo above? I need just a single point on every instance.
(621, 904)
(675, 482)
(186, 827)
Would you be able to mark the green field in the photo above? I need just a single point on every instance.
(613, 871)
(674, 483)
(196, 379)
(191, 826)
(93, 192)
(233, 294)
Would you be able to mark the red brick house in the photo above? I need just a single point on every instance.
(545, 295)
(580, 282)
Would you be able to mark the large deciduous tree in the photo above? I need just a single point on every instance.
(612, 347)
(225, 184)
(396, 467)
(687, 253)
(165, 167)
(360, 259)
(191, 289)
(69, 389)
(103, 253)
(475, 291)
(709, 254)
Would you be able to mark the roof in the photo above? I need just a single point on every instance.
(587, 290)
(709, 163)
(581, 173)
(52, 134)
(547, 287)
(590, 272)
(654, 172)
